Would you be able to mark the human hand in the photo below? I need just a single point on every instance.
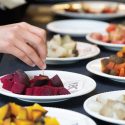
(26, 42)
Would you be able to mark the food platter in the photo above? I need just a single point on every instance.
(109, 46)
(85, 85)
(94, 5)
(95, 68)
(91, 105)
(85, 51)
(112, 38)
(76, 27)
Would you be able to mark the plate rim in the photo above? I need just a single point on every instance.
(98, 116)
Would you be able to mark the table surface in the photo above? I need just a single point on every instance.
(10, 63)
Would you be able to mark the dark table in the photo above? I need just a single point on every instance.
(9, 64)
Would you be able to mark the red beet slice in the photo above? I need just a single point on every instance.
(18, 88)
(29, 91)
(8, 77)
(21, 77)
(7, 85)
(56, 81)
(46, 90)
(7, 81)
(49, 83)
(54, 90)
(63, 91)
(37, 91)
(39, 80)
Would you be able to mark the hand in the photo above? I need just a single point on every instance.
(26, 42)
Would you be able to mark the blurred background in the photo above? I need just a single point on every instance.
(33, 7)
(36, 12)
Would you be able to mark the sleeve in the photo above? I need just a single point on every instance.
(10, 4)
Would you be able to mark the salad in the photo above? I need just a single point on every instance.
(115, 34)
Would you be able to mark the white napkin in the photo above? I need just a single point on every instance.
(10, 4)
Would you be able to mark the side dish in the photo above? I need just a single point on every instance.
(115, 64)
(112, 108)
(41, 85)
(90, 8)
(62, 47)
(13, 114)
(115, 34)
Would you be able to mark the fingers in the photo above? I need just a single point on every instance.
(21, 55)
(27, 40)
(33, 29)
(36, 42)
(36, 30)
(30, 53)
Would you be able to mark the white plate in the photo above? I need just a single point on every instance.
(95, 68)
(67, 117)
(77, 27)
(59, 9)
(85, 51)
(84, 85)
(90, 109)
(110, 46)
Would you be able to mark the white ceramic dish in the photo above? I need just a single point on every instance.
(95, 68)
(59, 9)
(77, 27)
(110, 46)
(90, 102)
(66, 117)
(85, 51)
(70, 80)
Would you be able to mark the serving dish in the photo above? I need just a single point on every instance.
(76, 27)
(93, 105)
(112, 38)
(84, 85)
(95, 68)
(85, 51)
(90, 9)
(109, 46)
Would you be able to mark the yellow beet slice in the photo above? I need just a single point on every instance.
(39, 107)
(29, 112)
(51, 121)
(23, 114)
(7, 121)
(4, 111)
(1, 122)
(15, 109)
(23, 122)
(12, 123)
(36, 114)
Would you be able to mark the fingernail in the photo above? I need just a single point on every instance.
(44, 60)
(33, 65)
(44, 66)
